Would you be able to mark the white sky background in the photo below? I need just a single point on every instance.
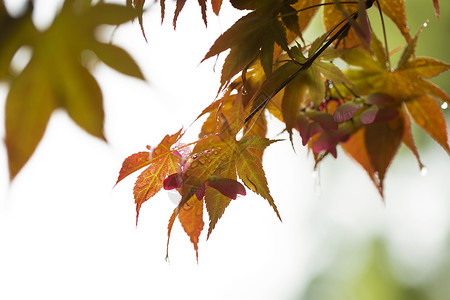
(65, 233)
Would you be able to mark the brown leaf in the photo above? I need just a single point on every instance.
(382, 141)
(178, 9)
(216, 4)
(356, 148)
(139, 6)
(436, 8)
(249, 36)
(29, 105)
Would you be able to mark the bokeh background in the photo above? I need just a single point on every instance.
(65, 233)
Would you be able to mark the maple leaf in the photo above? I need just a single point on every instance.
(303, 81)
(333, 14)
(133, 163)
(405, 82)
(252, 35)
(367, 109)
(216, 4)
(180, 5)
(55, 78)
(163, 163)
(436, 8)
(191, 219)
(250, 170)
(139, 7)
(387, 123)
(374, 147)
(408, 140)
(206, 156)
(210, 170)
(427, 113)
(216, 202)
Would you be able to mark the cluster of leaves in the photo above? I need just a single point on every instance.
(57, 75)
(366, 109)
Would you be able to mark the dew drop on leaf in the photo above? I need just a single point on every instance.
(444, 105)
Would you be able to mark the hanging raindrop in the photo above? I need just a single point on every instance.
(316, 175)
(423, 171)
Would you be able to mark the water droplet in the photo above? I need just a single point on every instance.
(425, 24)
(194, 164)
(444, 105)
(316, 175)
(423, 171)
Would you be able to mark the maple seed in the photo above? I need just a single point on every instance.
(173, 181)
(226, 186)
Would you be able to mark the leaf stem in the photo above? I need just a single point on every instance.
(388, 62)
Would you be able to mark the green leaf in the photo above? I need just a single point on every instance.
(206, 156)
(118, 59)
(382, 141)
(293, 98)
(14, 33)
(29, 105)
(59, 78)
(251, 35)
(216, 202)
(332, 73)
(83, 99)
(251, 172)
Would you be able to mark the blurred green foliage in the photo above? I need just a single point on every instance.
(369, 275)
